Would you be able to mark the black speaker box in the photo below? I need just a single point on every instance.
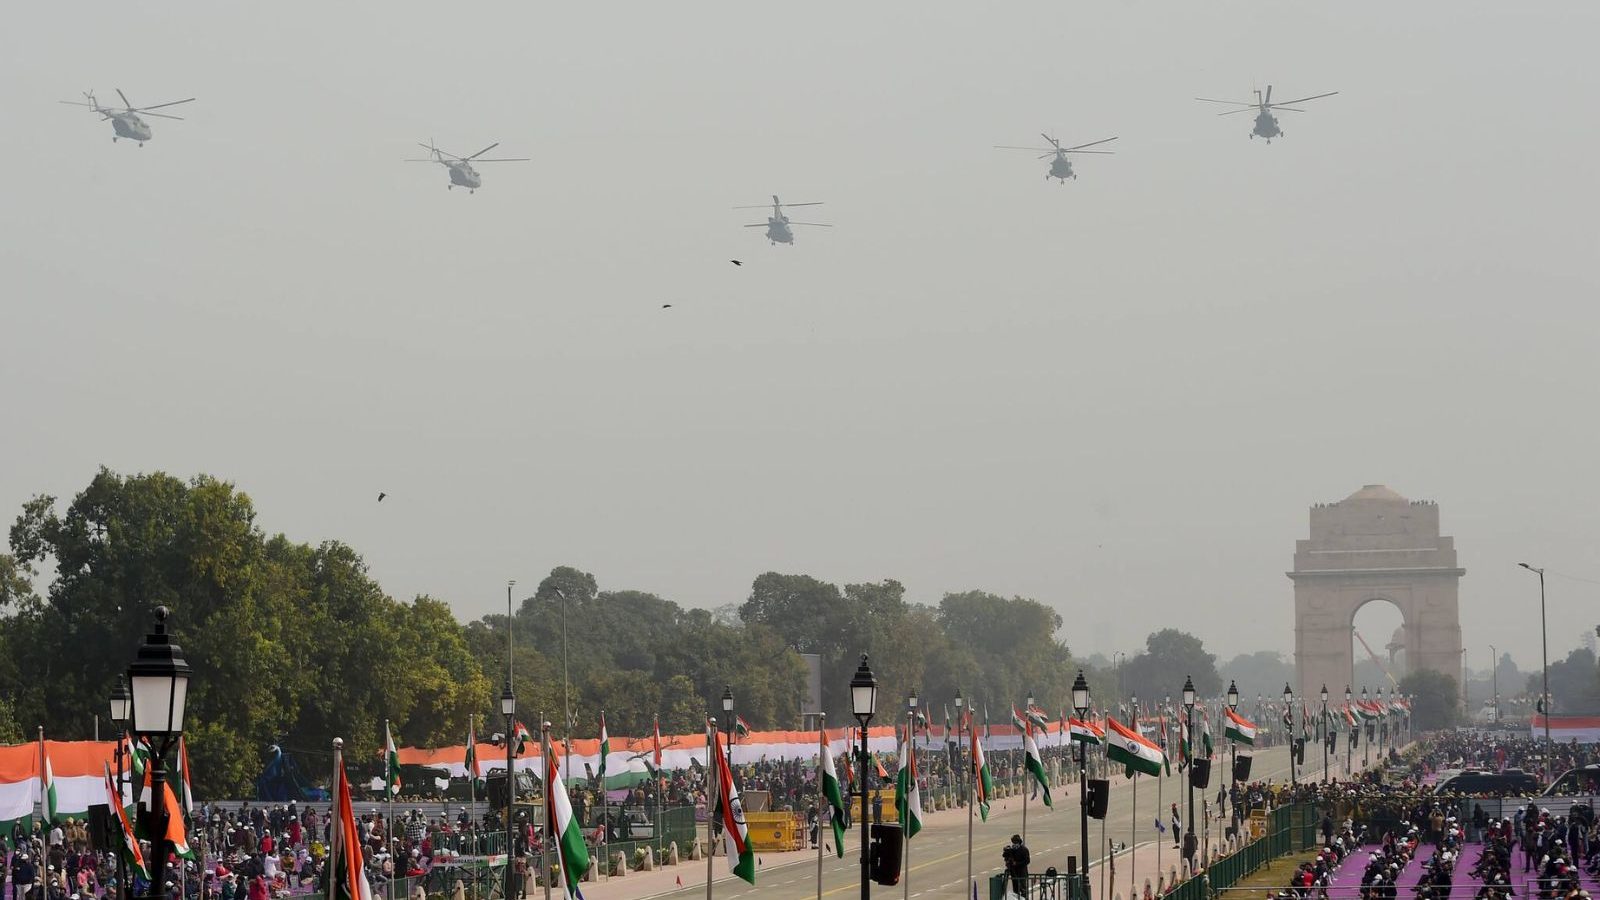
(100, 832)
(1099, 794)
(885, 857)
(1241, 768)
(1200, 773)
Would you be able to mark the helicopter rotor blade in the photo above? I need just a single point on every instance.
(77, 103)
(124, 97)
(1301, 100)
(1098, 152)
(1233, 102)
(1030, 149)
(1090, 144)
(817, 203)
(159, 105)
(1053, 142)
(504, 159)
(758, 224)
(1275, 108)
(812, 224)
(158, 115)
(1234, 112)
(1268, 98)
(484, 150)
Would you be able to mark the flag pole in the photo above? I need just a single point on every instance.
(335, 831)
(1027, 729)
(911, 788)
(472, 795)
(1133, 837)
(388, 793)
(544, 775)
(1161, 778)
(967, 788)
(822, 799)
(605, 822)
(711, 794)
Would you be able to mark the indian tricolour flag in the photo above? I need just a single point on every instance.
(1085, 731)
(1135, 751)
(473, 767)
(983, 784)
(129, 845)
(1238, 729)
(47, 782)
(735, 836)
(391, 764)
(188, 787)
(522, 736)
(1205, 734)
(573, 854)
(832, 793)
(345, 877)
(1034, 763)
(907, 795)
(605, 748)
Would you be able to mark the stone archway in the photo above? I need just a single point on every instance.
(1374, 545)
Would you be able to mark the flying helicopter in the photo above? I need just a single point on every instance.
(778, 224)
(461, 171)
(1266, 123)
(125, 122)
(1060, 165)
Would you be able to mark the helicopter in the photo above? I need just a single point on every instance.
(1266, 123)
(777, 224)
(461, 171)
(1060, 166)
(125, 123)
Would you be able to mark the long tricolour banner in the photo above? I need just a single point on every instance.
(77, 766)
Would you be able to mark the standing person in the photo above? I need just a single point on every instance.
(813, 822)
(1016, 859)
(1177, 826)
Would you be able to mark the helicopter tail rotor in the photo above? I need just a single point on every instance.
(1268, 99)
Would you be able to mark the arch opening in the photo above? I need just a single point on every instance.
(1381, 660)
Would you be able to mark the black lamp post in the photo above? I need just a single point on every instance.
(960, 771)
(1324, 733)
(1233, 704)
(863, 703)
(508, 708)
(121, 700)
(1348, 745)
(1190, 842)
(1366, 748)
(727, 716)
(1080, 705)
(159, 678)
(1288, 718)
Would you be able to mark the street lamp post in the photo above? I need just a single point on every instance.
(1080, 705)
(1494, 682)
(1233, 704)
(1190, 842)
(159, 677)
(1544, 657)
(1323, 732)
(508, 708)
(863, 703)
(1349, 744)
(1288, 716)
(1366, 747)
(727, 716)
(120, 701)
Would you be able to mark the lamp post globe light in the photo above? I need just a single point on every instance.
(159, 682)
(1080, 705)
(121, 701)
(508, 708)
(1189, 841)
(863, 703)
(1324, 732)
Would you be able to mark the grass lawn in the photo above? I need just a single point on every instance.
(1269, 880)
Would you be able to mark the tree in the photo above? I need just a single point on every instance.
(1169, 657)
(1262, 672)
(1436, 699)
(1574, 685)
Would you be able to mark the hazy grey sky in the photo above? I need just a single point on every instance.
(1118, 396)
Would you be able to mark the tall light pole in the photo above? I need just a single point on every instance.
(1190, 842)
(961, 778)
(159, 678)
(727, 716)
(1494, 681)
(1288, 716)
(1323, 732)
(863, 702)
(508, 708)
(566, 691)
(1349, 744)
(1233, 704)
(120, 701)
(1366, 724)
(1080, 705)
(1544, 657)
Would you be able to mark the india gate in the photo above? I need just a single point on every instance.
(1374, 545)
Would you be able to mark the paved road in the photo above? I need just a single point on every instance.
(939, 852)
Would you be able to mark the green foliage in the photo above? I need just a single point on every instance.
(1169, 657)
(10, 730)
(1574, 684)
(1437, 699)
(1264, 672)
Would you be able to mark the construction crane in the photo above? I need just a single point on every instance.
(1375, 660)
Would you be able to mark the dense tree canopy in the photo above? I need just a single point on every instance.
(1436, 698)
(294, 644)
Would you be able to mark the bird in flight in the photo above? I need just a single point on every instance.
(381, 495)
(736, 262)
(666, 306)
